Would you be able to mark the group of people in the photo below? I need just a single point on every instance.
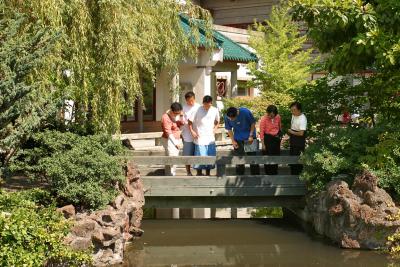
(192, 127)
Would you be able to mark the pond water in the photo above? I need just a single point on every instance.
(242, 242)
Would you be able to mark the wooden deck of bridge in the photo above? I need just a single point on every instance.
(220, 190)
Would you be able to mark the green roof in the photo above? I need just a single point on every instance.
(232, 50)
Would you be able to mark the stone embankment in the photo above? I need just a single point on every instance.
(107, 231)
(362, 216)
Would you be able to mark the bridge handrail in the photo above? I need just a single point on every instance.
(220, 161)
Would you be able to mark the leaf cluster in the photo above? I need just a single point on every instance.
(32, 235)
(80, 170)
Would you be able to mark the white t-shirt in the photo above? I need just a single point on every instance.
(299, 123)
(203, 124)
(188, 112)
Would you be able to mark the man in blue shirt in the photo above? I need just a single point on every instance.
(241, 127)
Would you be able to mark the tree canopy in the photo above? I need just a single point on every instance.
(106, 47)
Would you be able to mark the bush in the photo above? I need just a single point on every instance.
(81, 170)
(32, 235)
(383, 159)
(337, 152)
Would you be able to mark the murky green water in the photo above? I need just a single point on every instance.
(274, 242)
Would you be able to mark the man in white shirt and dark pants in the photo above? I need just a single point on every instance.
(189, 109)
(297, 133)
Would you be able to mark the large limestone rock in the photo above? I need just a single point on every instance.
(361, 217)
(108, 230)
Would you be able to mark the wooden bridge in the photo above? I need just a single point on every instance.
(221, 190)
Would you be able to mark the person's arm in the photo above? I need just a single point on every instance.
(296, 133)
(192, 131)
(166, 126)
(252, 120)
(252, 128)
(262, 132)
(229, 127)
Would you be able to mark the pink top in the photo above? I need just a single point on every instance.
(270, 126)
(170, 126)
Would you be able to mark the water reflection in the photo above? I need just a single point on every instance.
(239, 243)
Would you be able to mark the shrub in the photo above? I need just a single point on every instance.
(32, 235)
(383, 159)
(81, 170)
(337, 152)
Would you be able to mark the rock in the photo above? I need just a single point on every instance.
(81, 243)
(364, 182)
(68, 211)
(347, 242)
(83, 228)
(360, 217)
(109, 229)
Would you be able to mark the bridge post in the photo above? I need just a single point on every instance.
(175, 213)
(234, 213)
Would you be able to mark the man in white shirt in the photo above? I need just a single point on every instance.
(189, 109)
(202, 125)
(297, 133)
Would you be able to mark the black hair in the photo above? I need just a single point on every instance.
(272, 109)
(296, 104)
(207, 99)
(189, 95)
(231, 112)
(176, 107)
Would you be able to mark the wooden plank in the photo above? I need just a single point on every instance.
(225, 202)
(234, 160)
(169, 160)
(226, 191)
(221, 160)
(263, 185)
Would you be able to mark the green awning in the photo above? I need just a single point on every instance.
(232, 50)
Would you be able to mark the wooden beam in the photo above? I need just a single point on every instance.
(219, 160)
(225, 202)
(233, 186)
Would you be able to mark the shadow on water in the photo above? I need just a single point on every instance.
(256, 242)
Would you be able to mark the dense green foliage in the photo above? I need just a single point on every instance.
(357, 36)
(106, 47)
(27, 98)
(31, 234)
(337, 153)
(284, 65)
(80, 170)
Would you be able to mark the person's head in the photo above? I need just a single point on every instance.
(272, 111)
(190, 98)
(232, 113)
(207, 102)
(176, 108)
(295, 108)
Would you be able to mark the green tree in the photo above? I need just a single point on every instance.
(26, 98)
(284, 64)
(108, 46)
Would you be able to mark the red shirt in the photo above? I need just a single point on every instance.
(270, 126)
(170, 126)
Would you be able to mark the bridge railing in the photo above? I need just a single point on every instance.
(221, 190)
(220, 161)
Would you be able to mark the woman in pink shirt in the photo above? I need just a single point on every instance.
(270, 130)
(171, 137)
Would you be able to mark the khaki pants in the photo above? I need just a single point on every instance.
(170, 150)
